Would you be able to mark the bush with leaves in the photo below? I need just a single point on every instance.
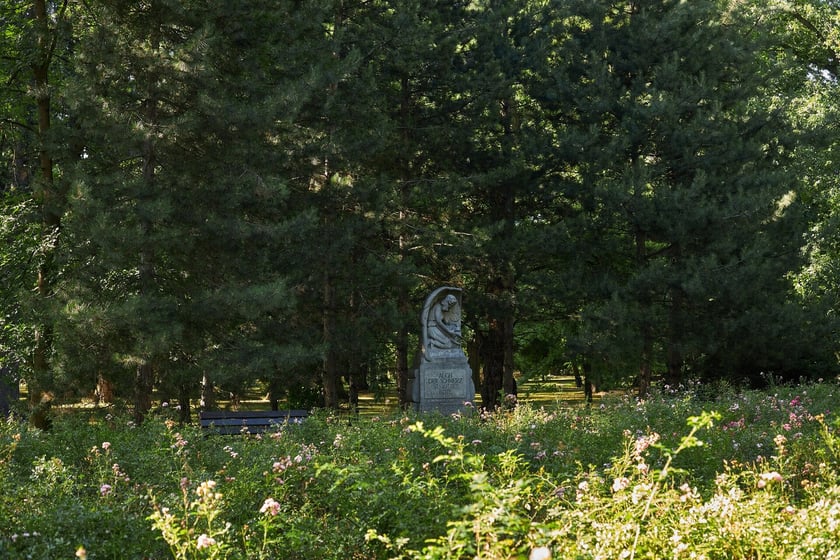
(623, 479)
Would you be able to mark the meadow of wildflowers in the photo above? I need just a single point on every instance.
(693, 473)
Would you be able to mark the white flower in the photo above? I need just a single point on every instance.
(204, 541)
(540, 553)
(620, 484)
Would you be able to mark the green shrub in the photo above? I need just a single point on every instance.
(625, 479)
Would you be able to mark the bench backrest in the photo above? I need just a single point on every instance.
(252, 422)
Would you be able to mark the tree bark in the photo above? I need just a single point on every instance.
(355, 382)
(588, 385)
(403, 303)
(475, 359)
(645, 368)
(645, 328)
(499, 366)
(185, 411)
(402, 367)
(144, 375)
(208, 393)
(330, 372)
(51, 205)
(104, 390)
(508, 380)
(674, 355)
(493, 357)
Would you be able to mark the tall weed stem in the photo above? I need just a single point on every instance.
(704, 420)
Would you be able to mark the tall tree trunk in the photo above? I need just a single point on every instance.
(144, 375)
(402, 367)
(185, 411)
(275, 391)
(475, 359)
(508, 380)
(645, 361)
(208, 393)
(498, 345)
(503, 287)
(674, 355)
(498, 350)
(331, 368)
(646, 358)
(645, 327)
(355, 381)
(403, 303)
(493, 356)
(51, 208)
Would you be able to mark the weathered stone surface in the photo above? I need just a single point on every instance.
(442, 379)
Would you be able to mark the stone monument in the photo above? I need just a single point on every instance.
(442, 378)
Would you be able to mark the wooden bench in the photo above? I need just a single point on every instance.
(249, 422)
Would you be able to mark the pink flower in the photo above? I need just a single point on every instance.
(270, 506)
(105, 489)
(772, 476)
(204, 541)
(281, 465)
(768, 477)
(106, 445)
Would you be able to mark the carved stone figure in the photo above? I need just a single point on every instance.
(442, 323)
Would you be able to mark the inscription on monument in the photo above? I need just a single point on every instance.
(444, 384)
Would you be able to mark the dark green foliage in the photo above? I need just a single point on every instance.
(261, 195)
(686, 176)
(180, 157)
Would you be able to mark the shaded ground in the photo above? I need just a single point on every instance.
(549, 390)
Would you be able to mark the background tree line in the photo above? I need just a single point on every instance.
(208, 194)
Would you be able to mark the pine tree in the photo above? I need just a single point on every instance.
(179, 202)
(499, 183)
(681, 170)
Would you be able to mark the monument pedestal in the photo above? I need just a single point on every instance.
(443, 385)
